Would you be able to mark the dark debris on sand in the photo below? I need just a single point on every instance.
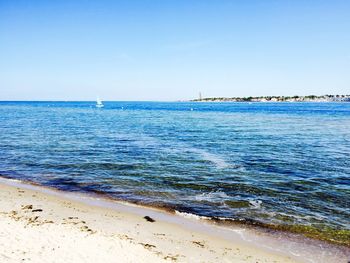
(149, 219)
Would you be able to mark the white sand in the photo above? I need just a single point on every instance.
(64, 230)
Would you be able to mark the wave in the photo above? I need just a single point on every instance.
(255, 203)
(212, 196)
(191, 216)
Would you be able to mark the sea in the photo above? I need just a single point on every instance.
(282, 166)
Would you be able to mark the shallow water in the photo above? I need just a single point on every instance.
(283, 165)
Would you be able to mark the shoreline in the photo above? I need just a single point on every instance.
(212, 238)
(300, 233)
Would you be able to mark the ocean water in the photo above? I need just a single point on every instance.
(279, 165)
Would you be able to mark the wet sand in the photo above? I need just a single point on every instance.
(43, 225)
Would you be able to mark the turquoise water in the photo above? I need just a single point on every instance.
(281, 165)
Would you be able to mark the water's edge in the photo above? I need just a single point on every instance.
(252, 234)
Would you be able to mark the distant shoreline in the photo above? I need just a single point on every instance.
(308, 98)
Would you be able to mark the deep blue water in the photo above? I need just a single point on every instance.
(276, 163)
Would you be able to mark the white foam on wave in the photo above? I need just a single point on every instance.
(11, 180)
(190, 216)
(14, 180)
(255, 203)
(211, 196)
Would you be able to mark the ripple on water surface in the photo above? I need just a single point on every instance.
(283, 166)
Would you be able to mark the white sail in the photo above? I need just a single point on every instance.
(99, 103)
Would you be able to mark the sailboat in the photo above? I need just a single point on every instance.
(99, 103)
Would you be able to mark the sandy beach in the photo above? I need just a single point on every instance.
(41, 227)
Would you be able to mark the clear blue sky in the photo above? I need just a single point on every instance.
(172, 49)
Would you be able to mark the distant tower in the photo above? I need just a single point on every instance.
(200, 96)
